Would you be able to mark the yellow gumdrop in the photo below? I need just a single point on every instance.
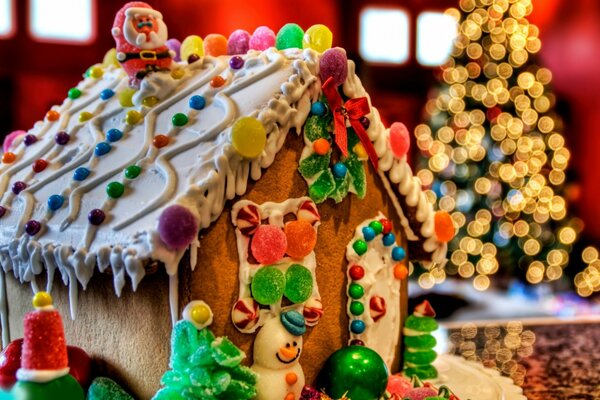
(360, 151)
(317, 37)
(84, 116)
(200, 314)
(96, 72)
(126, 97)
(110, 59)
(177, 73)
(133, 117)
(248, 137)
(42, 299)
(192, 45)
(150, 101)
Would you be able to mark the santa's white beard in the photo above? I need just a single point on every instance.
(140, 40)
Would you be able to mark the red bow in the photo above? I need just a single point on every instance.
(353, 110)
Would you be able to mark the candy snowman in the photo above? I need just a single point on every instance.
(277, 349)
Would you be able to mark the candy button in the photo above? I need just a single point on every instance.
(132, 172)
(365, 122)
(193, 58)
(267, 285)
(268, 244)
(197, 102)
(357, 342)
(29, 140)
(298, 284)
(339, 170)
(41, 300)
(160, 141)
(177, 73)
(114, 190)
(356, 291)
(18, 187)
(387, 226)
(133, 117)
(357, 308)
(39, 165)
(291, 378)
(2, 211)
(389, 239)
(368, 233)
(360, 247)
(360, 151)
(236, 62)
(85, 116)
(150, 101)
(8, 157)
(62, 138)
(248, 137)
(398, 253)
(290, 396)
(52, 115)
(96, 72)
(400, 271)
(201, 314)
(102, 148)
(321, 146)
(301, 238)
(32, 227)
(377, 226)
(96, 216)
(217, 81)
(106, 94)
(357, 272)
(81, 173)
(114, 135)
(55, 202)
(357, 327)
(318, 108)
(179, 119)
(74, 93)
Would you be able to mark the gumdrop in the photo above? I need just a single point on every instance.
(215, 45)
(289, 37)
(106, 389)
(399, 139)
(177, 227)
(334, 64)
(192, 45)
(399, 385)
(268, 285)
(317, 37)
(322, 187)
(10, 138)
(175, 46)
(269, 244)
(262, 38)
(420, 393)
(301, 238)
(313, 164)
(248, 137)
(238, 43)
(444, 226)
(298, 283)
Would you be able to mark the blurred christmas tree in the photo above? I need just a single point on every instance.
(494, 155)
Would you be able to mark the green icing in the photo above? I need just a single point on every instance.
(420, 342)
(423, 372)
(204, 367)
(316, 128)
(421, 324)
(356, 170)
(314, 164)
(63, 388)
(106, 389)
(419, 358)
(322, 187)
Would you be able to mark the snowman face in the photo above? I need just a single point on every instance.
(275, 347)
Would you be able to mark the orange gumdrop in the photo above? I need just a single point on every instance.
(321, 146)
(301, 238)
(400, 271)
(52, 115)
(444, 226)
(215, 45)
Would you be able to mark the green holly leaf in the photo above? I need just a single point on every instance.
(356, 170)
(314, 164)
(342, 186)
(316, 128)
(322, 187)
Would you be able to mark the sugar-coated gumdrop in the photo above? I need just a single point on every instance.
(10, 138)
(269, 244)
(399, 139)
(126, 97)
(110, 59)
(175, 46)
(444, 226)
(289, 37)
(268, 285)
(238, 43)
(301, 238)
(317, 37)
(177, 227)
(262, 38)
(248, 137)
(192, 44)
(245, 314)
(298, 283)
(399, 385)
(334, 64)
(215, 45)
(420, 393)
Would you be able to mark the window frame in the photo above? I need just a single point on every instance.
(65, 41)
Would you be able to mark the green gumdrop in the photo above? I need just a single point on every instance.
(316, 127)
(298, 283)
(356, 169)
(268, 285)
(226, 354)
(342, 186)
(425, 357)
(314, 164)
(106, 389)
(423, 372)
(420, 342)
(64, 388)
(289, 37)
(322, 187)
(421, 324)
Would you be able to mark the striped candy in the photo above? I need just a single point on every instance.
(308, 212)
(313, 311)
(245, 314)
(248, 219)
(377, 308)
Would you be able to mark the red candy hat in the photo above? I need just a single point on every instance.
(44, 356)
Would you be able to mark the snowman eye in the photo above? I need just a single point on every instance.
(287, 345)
(295, 344)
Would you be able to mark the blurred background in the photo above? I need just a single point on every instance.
(399, 47)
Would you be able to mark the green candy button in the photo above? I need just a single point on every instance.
(114, 190)
(132, 172)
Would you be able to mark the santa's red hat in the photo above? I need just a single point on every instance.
(44, 356)
(129, 10)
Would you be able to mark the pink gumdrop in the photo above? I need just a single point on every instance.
(175, 46)
(334, 64)
(420, 393)
(238, 42)
(399, 139)
(262, 38)
(10, 138)
(269, 244)
(177, 227)
(399, 385)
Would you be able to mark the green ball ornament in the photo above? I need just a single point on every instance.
(63, 388)
(357, 372)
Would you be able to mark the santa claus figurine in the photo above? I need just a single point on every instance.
(141, 35)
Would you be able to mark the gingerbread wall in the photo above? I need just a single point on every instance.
(130, 336)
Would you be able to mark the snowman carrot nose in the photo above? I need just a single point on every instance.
(288, 352)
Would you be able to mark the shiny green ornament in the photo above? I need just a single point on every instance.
(63, 388)
(357, 372)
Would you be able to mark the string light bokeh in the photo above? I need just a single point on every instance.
(493, 155)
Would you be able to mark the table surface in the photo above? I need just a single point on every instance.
(551, 361)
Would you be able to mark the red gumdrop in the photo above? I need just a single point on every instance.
(399, 385)
(269, 244)
(444, 226)
(399, 139)
(262, 38)
(44, 345)
(177, 227)
(334, 64)
(301, 238)
(10, 362)
(421, 393)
